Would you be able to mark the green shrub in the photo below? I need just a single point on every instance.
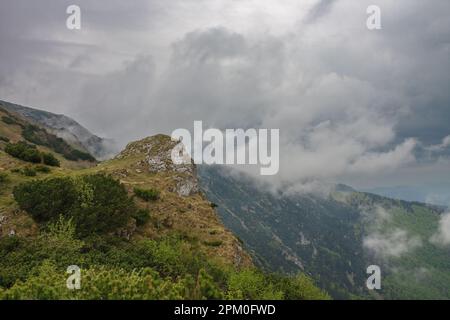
(29, 133)
(78, 155)
(3, 178)
(26, 171)
(147, 194)
(28, 152)
(42, 169)
(172, 261)
(23, 151)
(50, 160)
(214, 243)
(252, 285)
(29, 172)
(31, 155)
(142, 216)
(206, 287)
(299, 287)
(45, 200)
(170, 256)
(8, 120)
(48, 282)
(96, 203)
(168, 268)
(19, 256)
(103, 204)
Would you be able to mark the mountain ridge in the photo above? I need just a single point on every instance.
(67, 129)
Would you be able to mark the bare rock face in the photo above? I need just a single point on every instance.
(187, 186)
(154, 155)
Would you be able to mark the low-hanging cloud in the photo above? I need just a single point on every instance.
(392, 244)
(442, 236)
(384, 242)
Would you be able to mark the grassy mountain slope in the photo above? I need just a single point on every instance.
(335, 238)
(15, 128)
(66, 128)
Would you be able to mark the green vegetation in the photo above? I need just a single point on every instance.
(28, 152)
(326, 234)
(215, 243)
(41, 137)
(147, 194)
(76, 154)
(96, 203)
(42, 169)
(141, 216)
(9, 120)
(29, 172)
(299, 287)
(46, 199)
(4, 179)
(252, 284)
(50, 160)
(76, 217)
(169, 268)
(24, 151)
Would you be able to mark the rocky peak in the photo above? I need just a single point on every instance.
(153, 155)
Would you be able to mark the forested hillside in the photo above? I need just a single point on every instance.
(334, 238)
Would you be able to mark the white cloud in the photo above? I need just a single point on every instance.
(393, 244)
(442, 146)
(442, 236)
(376, 162)
(384, 242)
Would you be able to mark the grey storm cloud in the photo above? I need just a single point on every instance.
(366, 101)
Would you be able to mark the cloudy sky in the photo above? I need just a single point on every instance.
(367, 108)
